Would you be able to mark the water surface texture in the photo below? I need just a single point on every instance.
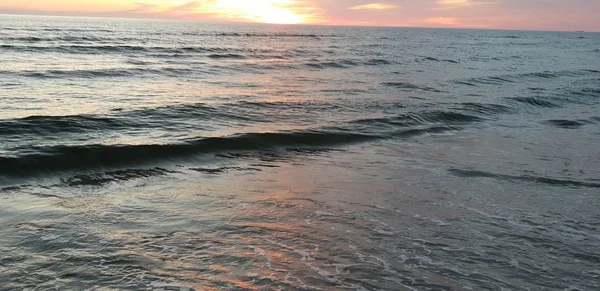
(161, 155)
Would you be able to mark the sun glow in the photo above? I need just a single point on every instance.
(267, 11)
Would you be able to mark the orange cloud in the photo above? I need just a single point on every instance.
(510, 14)
(374, 6)
(269, 11)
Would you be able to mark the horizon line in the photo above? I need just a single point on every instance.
(66, 14)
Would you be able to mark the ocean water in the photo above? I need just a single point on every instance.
(165, 155)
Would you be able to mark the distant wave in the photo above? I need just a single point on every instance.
(443, 118)
(520, 77)
(133, 119)
(102, 73)
(121, 48)
(271, 35)
(59, 29)
(33, 39)
(345, 63)
(45, 125)
(44, 159)
(524, 178)
(112, 48)
(67, 157)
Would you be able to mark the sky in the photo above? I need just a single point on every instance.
(493, 14)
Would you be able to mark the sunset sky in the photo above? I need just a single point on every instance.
(498, 14)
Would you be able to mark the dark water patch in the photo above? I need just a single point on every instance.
(65, 157)
(543, 75)
(270, 57)
(116, 49)
(446, 117)
(346, 63)
(401, 85)
(226, 56)
(92, 49)
(555, 74)
(311, 151)
(524, 178)
(59, 74)
(536, 89)
(8, 47)
(221, 170)
(377, 62)
(38, 29)
(26, 39)
(326, 65)
(586, 256)
(80, 38)
(486, 108)
(47, 125)
(193, 111)
(487, 59)
(265, 166)
(451, 61)
(139, 62)
(11, 188)
(564, 123)
(234, 155)
(103, 73)
(587, 92)
(519, 78)
(248, 111)
(43, 159)
(197, 49)
(73, 38)
(465, 83)
(119, 119)
(100, 179)
(350, 63)
(536, 102)
(409, 86)
(10, 85)
(423, 118)
(493, 80)
(432, 59)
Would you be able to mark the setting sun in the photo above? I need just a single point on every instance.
(267, 11)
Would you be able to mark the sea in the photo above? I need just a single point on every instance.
(181, 155)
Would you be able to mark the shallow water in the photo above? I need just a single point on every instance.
(159, 155)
